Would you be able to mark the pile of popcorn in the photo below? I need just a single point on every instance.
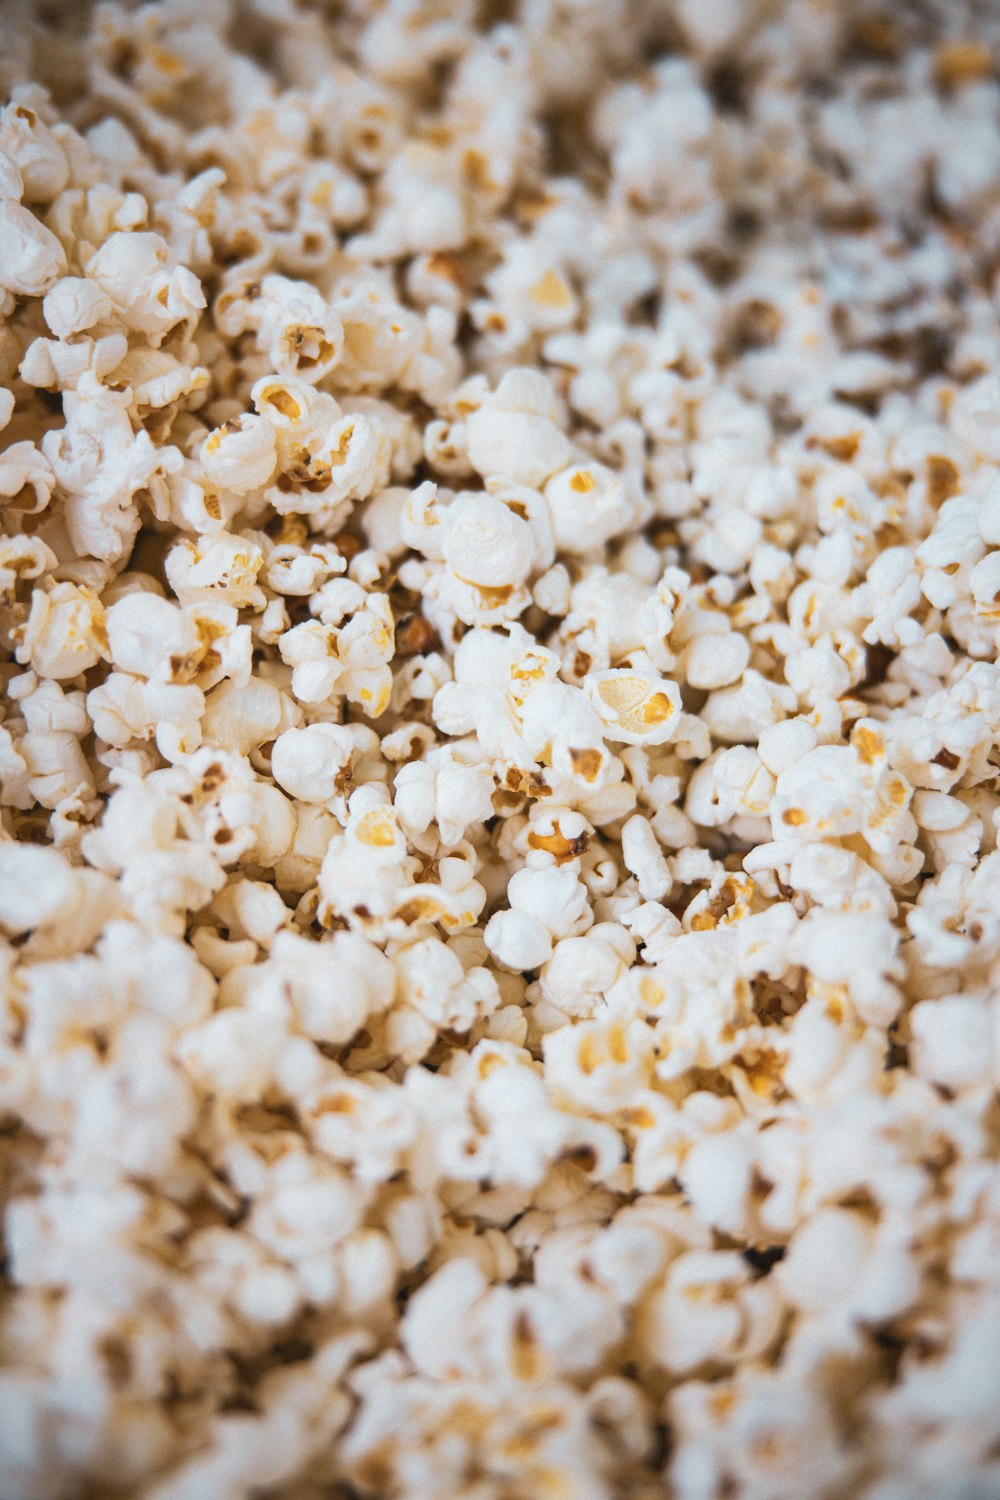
(500, 756)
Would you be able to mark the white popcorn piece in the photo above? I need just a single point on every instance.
(835, 1265)
(302, 334)
(432, 981)
(766, 1431)
(339, 464)
(589, 505)
(49, 364)
(295, 984)
(512, 434)
(445, 789)
(518, 940)
(33, 259)
(142, 627)
(955, 1040)
(65, 631)
(101, 464)
(367, 875)
(217, 569)
(74, 305)
(436, 1314)
(599, 1063)
(714, 661)
(708, 1311)
(242, 716)
(313, 763)
(37, 886)
(351, 659)
(34, 147)
(485, 542)
(149, 293)
(645, 859)
(583, 969)
(241, 454)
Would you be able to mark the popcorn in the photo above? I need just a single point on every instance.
(340, 464)
(102, 464)
(303, 337)
(518, 940)
(443, 789)
(153, 638)
(368, 877)
(499, 880)
(954, 1040)
(432, 982)
(714, 661)
(49, 364)
(834, 1266)
(38, 885)
(294, 982)
(759, 1432)
(314, 762)
(240, 455)
(65, 631)
(56, 767)
(148, 292)
(33, 259)
(74, 305)
(385, 343)
(35, 149)
(644, 857)
(351, 659)
(589, 505)
(732, 784)
(218, 569)
(636, 709)
(545, 904)
(485, 542)
(599, 1063)
(512, 434)
(243, 716)
(582, 969)
(708, 1310)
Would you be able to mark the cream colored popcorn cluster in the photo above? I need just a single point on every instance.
(499, 885)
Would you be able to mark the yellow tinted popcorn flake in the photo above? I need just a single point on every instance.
(551, 291)
(377, 830)
(634, 707)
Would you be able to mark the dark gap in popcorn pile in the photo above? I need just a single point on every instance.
(499, 888)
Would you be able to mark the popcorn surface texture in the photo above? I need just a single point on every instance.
(499, 750)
